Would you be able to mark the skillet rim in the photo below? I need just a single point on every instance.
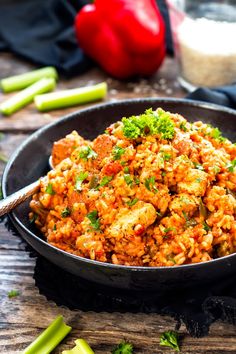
(98, 107)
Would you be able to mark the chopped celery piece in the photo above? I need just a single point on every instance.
(81, 347)
(26, 96)
(49, 339)
(71, 97)
(19, 82)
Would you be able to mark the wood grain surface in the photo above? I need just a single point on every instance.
(22, 318)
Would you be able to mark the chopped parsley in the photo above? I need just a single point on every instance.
(198, 166)
(79, 180)
(198, 180)
(230, 166)
(65, 212)
(170, 339)
(34, 217)
(123, 348)
(54, 227)
(168, 229)
(95, 222)
(126, 170)
(117, 152)
(49, 189)
(13, 293)
(128, 179)
(150, 184)
(183, 126)
(166, 157)
(87, 152)
(149, 123)
(216, 134)
(206, 227)
(105, 180)
(132, 202)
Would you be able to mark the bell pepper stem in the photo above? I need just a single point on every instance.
(77, 96)
(19, 82)
(50, 338)
(26, 96)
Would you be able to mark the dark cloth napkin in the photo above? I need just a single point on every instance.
(224, 95)
(42, 31)
(197, 308)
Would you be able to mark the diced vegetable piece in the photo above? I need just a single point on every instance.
(81, 347)
(67, 98)
(26, 96)
(50, 338)
(19, 82)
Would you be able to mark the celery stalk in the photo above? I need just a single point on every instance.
(26, 96)
(72, 97)
(19, 82)
(49, 339)
(81, 347)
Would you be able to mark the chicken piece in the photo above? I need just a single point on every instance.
(133, 222)
(184, 203)
(64, 147)
(194, 182)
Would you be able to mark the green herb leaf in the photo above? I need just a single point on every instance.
(170, 339)
(86, 152)
(166, 157)
(183, 126)
(230, 166)
(80, 179)
(117, 152)
(149, 123)
(132, 202)
(216, 134)
(128, 179)
(34, 217)
(105, 180)
(168, 229)
(65, 212)
(123, 348)
(13, 293)
(126, 170)
(150, 184)
(54, 227)
(93, 217)
(49, 189)
(206, 227)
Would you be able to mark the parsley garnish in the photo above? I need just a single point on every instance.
(123, 348)
(149, 123)
(170, 339)
(198, 166)
(216, 134)
(93, 217)
(49, 189)
(87, 152)
(128, 179)
(149, 184)
(183, 126)
(168, 229)
(230, 166)
(105, 180)
(65, 212)
(34, 217)
(166, 157)
(126, 170)
(13, 293)
(117, 152)
(79, 180)
(206, 227)
(54, 227)
(132, 202)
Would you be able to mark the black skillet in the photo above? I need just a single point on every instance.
(30, 161)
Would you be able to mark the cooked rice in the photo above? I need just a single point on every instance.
(151, 200)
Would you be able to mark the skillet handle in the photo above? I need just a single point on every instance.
(18, 197)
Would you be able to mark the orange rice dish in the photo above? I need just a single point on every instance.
(153, 190)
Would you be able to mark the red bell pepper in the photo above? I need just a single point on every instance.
(126, 37)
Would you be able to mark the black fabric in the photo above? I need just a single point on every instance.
(224, 95)
(42, 31)
(197, 308)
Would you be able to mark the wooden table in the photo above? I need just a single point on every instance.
(22, 318)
